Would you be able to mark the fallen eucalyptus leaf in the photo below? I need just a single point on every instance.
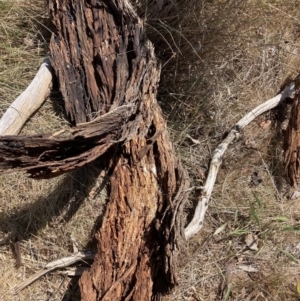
(220, 229)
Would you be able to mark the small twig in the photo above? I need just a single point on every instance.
(196, 223)
(59, 263)
(195, 141)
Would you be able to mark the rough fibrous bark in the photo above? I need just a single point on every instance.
(102, 54)
(49, 155)
(103, 61)
(292, 139)
(108, 75)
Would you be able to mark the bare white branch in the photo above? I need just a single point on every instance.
(197, 221)
(28, 102)
(59, 263)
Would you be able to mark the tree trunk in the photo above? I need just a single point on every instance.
(103, 61)
(291, 144)
(108, 75)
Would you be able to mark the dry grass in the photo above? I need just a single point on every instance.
(46, 216)
(233, 56)
(220, 59)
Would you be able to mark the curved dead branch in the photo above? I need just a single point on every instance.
(197, 221)
(53, 265)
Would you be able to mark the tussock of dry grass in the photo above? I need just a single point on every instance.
(220, 59)
(46, 216)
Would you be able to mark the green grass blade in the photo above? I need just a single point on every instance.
(254, 214)
(257, 199)
(290, 256)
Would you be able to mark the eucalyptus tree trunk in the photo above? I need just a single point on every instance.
(104, 61)
(108, 76)
(291, 144)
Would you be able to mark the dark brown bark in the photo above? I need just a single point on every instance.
(49, 155)
(101, 52)
(108, 75)
(292, 139)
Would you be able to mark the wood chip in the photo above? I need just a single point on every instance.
(295, 195)
(18, 252)
(251, 242)
(265, 125)
(248, 268)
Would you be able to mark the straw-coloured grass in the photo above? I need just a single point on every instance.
(220, 59)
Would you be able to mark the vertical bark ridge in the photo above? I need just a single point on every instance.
(108, 76)
(291, 144)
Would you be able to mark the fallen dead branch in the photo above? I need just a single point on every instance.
(88, 130)
(56, 264)
(197, 221)
(109, 68)
(28, 102)
(108, 75)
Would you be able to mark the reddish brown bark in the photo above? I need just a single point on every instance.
(141, 228)
(108, 75)
(292, 139)
(49, 155)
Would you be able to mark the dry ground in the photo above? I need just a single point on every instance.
(220, 59)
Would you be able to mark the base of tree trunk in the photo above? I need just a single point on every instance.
(103, 61)
(136, 258)
(108, 76)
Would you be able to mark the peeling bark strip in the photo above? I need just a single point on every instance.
(291, 145)
(108, 76)
(103, 62)
(49, 155)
